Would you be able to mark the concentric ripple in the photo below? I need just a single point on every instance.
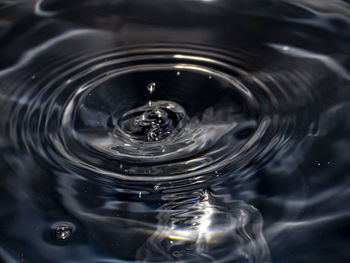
(207, 113)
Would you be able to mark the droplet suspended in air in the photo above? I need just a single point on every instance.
(151, 87)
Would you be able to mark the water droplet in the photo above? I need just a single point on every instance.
(178, 73)
(156, 187)
(151, 87)
(140, 194)
(210, 77)
(205, 195)
(63, 232)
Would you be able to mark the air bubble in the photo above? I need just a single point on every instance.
(63, 232)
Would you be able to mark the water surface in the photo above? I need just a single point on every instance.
(174, 131)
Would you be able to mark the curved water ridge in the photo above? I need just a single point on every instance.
(161, 114)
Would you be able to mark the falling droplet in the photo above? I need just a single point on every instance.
(63, 232)
(151, 87)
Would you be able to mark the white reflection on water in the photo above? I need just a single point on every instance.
(206, 230)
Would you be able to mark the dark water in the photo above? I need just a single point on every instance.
(175, 131)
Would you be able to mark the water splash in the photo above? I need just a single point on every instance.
(153, 121)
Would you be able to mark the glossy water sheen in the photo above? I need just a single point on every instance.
(174, 131)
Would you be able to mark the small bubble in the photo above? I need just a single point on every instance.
(63, 232)
(210, 77)
(151, 87)
(178, 73)
(318, 164)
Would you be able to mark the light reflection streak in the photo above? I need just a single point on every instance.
(191, 231)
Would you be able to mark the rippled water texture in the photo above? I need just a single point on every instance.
(175, 131)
